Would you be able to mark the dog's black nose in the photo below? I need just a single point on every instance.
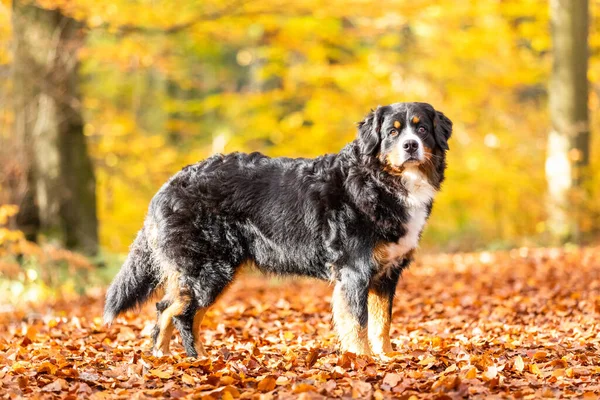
(411, 146)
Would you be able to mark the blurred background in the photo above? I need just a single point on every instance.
(100, 102)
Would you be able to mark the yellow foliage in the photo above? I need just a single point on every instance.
(36, 264)
(7, 211)
(167, 83)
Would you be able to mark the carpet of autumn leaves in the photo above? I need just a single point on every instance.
(524, 323)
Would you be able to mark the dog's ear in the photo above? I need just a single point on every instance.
(443, 130)
(369, 131)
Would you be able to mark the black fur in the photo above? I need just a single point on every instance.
(320, 217)
(135, 282)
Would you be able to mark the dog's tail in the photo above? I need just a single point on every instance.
(134, 283)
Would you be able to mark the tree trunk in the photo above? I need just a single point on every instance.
(568, 142)
(49, 127)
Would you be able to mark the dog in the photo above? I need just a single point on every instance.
(353, 218)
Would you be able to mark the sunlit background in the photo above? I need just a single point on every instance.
(101, 101)
(156, 85)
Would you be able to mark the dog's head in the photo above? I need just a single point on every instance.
(404, 135)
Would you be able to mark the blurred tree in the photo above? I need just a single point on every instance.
(49, 127)
(569, 139)
(166, 83)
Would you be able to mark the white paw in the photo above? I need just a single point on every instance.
(160, 353)
(383, 357)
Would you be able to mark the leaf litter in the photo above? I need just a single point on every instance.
(518, 324)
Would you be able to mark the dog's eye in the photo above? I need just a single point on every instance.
(422, 129)
(393, 133)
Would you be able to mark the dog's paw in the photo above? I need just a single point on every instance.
(387, 356)
(160, 353)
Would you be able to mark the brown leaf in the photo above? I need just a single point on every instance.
(391, 379)
(328, 387)
(361, 389)
(56, 386)
(22, 381)
(312, 357)
(84, 389)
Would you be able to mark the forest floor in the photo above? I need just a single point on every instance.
(522, 324)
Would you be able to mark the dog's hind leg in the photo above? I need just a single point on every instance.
(211, 281)
(160, 307)
(183, 320)
(164, 327)
(186, 300)
(196, 329)
(174, 302)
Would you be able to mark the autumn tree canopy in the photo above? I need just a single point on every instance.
(165, 84)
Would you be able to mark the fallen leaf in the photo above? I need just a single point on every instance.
(56, 386)
(267, 384)
(361, 389)
(391, 379)
(47, 367)
(303, 387)
(312, 357)
(471, 373)
(519, 364)
(188, 380)
(490, 373)
(427, 361)
(161, 374)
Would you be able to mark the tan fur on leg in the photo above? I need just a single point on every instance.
(197, 341)
(352, 337)
(379, 323)
(165, 323)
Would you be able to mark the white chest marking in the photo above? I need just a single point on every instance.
(420, 193)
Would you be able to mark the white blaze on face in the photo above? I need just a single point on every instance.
(398, 155)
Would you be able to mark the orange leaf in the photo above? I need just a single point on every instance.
(471, 373)
(161, 374)
(427, 360)
(47, 367)
(267, 384)
(188, 379)
(227, 380)
(304, 387)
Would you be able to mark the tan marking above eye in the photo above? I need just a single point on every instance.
(397, 124)
(415, 119)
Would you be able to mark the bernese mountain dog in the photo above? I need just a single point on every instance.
(353, 218)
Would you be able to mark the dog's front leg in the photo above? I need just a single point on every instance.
(350, 312)
(381, 296)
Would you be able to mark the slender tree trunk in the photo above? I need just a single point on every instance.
(49, 127)
(568, 142)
